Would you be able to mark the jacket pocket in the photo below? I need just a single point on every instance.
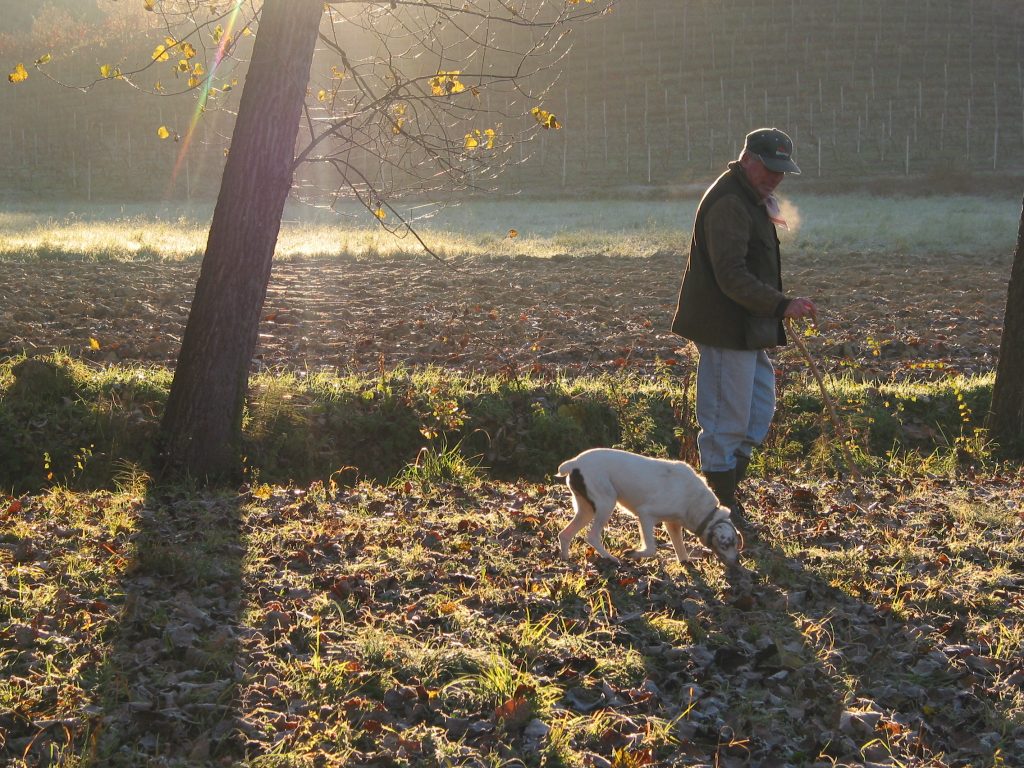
(760, 332)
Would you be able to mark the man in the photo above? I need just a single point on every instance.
(731, 305)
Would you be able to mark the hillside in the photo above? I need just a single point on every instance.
(664, 91)
(656, 93)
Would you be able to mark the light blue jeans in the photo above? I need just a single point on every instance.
(735, 404)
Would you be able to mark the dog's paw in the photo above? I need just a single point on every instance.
(694, 555)
(638, 554)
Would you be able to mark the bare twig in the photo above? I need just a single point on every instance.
(829, 403)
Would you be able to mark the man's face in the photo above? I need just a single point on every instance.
(761, 179)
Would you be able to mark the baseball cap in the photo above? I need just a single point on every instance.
(774, 148)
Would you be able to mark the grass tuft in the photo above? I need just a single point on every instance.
(68, 423)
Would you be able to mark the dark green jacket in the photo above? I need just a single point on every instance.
(731, 295)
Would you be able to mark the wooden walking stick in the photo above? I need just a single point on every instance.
(829, 403)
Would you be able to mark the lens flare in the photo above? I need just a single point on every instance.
(204, 93)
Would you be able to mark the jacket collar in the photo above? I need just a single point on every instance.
(741, 177)
(699, 531)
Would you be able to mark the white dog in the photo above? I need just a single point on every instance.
(656, 491)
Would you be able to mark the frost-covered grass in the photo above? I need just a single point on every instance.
(820, 224)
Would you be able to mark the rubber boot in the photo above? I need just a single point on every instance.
(738, 512)
(724, 486)
(742, 462)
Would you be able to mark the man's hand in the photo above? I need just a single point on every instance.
(801, 307)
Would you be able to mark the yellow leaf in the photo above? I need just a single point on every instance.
(489, 133)
(380, 213)
(18, 75)
(262, 492)
(149, 5)
(445, 83)
(105, 70)
(193, 81)
(162, 132)
(183, 66)
(198, 69)
(93, 343)
(545, 118)
(187, 50)
(471, 143)
(158, 86)
(321, 95)
(398, 111)
(160, 53)
(171, 42)
(44, 59)
(513, 233)
(218, 33)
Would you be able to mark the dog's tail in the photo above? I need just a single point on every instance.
(576, 483)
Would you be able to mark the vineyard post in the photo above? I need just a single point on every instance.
(565, 159)
(647, 138)
(604, 126)
(625, 123)
(686, 125)
(995, 138)
(586, 132)
(968, 130)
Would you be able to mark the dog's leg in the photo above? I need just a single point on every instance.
(584, 514)
(601, 518)
(648, 541)
(683, 553)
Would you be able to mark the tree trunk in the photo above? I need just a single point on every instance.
(1006, 420)
(202, 425)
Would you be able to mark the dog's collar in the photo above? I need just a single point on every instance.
(699, 530)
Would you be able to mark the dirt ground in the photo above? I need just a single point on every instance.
(882, 314)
